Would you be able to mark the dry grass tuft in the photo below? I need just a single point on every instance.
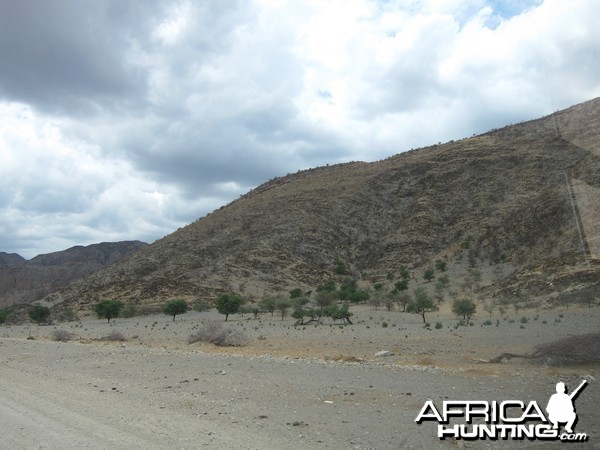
(114, 336)
(63, 335)
(216, 333)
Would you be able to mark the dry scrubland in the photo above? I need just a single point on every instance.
(314, 386)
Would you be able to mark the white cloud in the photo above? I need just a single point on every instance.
(150, 116)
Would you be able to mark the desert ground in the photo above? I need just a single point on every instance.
(312, 386)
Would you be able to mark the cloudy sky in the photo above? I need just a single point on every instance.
(125, 120)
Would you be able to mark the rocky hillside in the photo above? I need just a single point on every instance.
(517, 204)
(23, 281)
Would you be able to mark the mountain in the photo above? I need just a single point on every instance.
(513, 213)
(11, 259)
(23, 281)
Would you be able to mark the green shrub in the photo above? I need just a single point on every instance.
(3, 315)
(39, 314)
(384, 325)
(438, 325)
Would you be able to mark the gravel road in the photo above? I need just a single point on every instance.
(71, 395)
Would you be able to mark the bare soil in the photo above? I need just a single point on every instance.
(314, 386)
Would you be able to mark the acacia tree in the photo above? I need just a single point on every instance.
(268, 304)
(296, 292)
(283, 305)
(339, 313)
(108, 309)
(39, 313)
(429, 274)
(464, 308)
(422, 304)
(228, 304)
(175, 307)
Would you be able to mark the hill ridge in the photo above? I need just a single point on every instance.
(496, 202)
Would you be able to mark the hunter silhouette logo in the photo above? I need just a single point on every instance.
(509, 419)
(560, 407)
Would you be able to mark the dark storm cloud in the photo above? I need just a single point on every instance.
(68, 57)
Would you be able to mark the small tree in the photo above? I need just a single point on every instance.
(108, 309)
(327, 287)
(268, 304)
(429, 274)
(441, 265)
(404, 273)
(283, 305)
(464, 308)
(402, 285)
(228, 304)
(3, 315)
(39, 314)
(296, 292)
(403, 300)
(375, 301)
(175, 307)
(339, 313)
(489, 307)
(422, 304)
(340, 267)
(325, 298)
(444, 280)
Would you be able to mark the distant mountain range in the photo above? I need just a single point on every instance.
(513, 213)
(25, 281)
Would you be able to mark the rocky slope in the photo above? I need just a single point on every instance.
(516, 203)
(23, 281)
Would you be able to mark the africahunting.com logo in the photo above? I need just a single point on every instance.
(510, 419)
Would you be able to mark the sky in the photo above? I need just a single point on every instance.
(125, 120)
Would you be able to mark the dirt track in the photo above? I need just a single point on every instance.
(143, 394)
